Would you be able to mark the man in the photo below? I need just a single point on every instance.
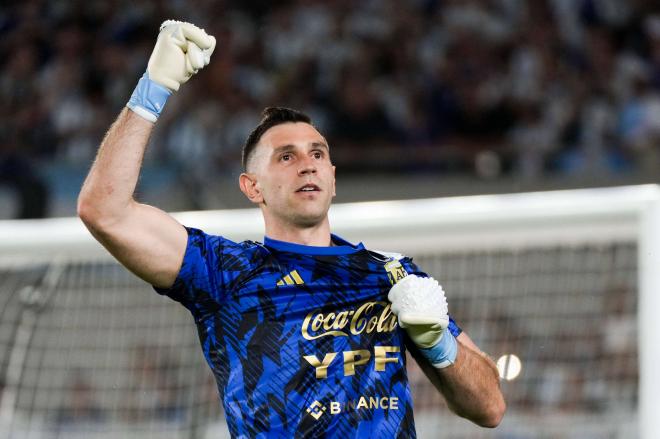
(299, 331)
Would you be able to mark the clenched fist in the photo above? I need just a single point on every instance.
(182, 49)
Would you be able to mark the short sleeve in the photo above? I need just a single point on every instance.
(199, 284)
(453, 327)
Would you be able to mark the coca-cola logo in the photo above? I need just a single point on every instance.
(368, 318)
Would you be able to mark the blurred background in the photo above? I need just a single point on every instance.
(417, 98)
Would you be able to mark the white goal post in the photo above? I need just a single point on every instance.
(508, 222)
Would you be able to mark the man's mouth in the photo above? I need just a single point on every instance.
(309, 188)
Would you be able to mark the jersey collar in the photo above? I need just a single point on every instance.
(342, 247)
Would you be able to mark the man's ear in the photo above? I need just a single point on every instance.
(334, 189)
(250, 187)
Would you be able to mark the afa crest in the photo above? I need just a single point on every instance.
(395, 271)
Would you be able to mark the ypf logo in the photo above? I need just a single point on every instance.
(316, 410)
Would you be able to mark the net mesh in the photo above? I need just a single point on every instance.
(569, 314)
(105, 356)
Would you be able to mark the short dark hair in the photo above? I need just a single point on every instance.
(270, 117)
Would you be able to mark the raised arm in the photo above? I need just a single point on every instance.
(143, 238)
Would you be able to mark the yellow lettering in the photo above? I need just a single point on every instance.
(381, 358)
(373, 321)
(317, 322)
(306, 325)
(321, 366)
(350, 360)
(358, 322)
(383, 319)
(362, 403)
(394, 403)
(329, 319)
(335, 407)
(373, 402)
(341, 321)
(384, 402)
(393, 323)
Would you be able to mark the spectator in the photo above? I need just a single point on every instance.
(80, 406)
(485, 87)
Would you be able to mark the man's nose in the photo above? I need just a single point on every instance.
(307, 167)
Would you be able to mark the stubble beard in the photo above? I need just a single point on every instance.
(305, 218)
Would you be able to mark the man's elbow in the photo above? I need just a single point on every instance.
(85, 209)
(90, 212)
(492, 417)
(98, 219)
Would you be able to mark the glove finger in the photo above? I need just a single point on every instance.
(190, 70)
(196, 35)
(167, 23)
(177, 37)
(397, 290)
(411, 318)
(195, 56)
(208, 52)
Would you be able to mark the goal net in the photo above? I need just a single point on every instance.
(560, 287)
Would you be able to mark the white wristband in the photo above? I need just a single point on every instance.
(148, 98)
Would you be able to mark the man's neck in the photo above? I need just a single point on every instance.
(318, 235)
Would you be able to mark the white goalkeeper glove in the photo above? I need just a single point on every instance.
(181, 50)
(421, 307)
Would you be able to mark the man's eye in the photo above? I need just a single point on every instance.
(285, 157)
(318, 155)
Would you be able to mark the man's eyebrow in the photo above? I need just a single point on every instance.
(320, 145)
(290, 147)
(283, 148)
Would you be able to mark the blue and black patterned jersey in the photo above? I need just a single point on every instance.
(301, 339)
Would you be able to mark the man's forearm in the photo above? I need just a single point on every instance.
(181, 50)
(471, 387)
(110, 184)
(466, 377)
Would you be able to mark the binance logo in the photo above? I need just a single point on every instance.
(316, 410)
(292, 278)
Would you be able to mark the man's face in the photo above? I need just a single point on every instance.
(290, 175)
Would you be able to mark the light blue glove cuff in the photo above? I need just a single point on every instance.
(148, 98)
(444, 353)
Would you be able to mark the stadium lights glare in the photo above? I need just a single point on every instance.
(509, 367)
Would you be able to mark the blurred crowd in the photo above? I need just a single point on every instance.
(466, 87)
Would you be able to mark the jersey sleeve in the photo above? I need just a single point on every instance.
(412, 268)
(199, 285)
(453, 327)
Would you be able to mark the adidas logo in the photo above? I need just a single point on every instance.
(292, 278)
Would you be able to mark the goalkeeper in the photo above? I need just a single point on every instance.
(305, 333)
